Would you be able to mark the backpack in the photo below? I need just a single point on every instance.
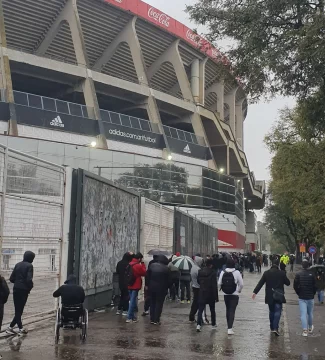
(228, 285)
(129, 275)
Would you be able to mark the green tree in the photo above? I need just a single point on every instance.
(278, 46)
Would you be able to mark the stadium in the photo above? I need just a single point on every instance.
(125, 91)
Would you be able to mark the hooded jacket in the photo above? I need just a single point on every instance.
(121, 269)
(70, 292)
(22, 275)
(195, 271)
(139, 270)
(158, 276)
(207, 279)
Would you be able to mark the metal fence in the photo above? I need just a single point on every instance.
(128, 121)
(31, 198)
(55, 105)
(184, 135)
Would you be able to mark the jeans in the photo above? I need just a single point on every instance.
(20, 300)
(195, 303)
(186, 285)
(133, 303)
(320, 294)
(275, 315)
(212, 310)
(306, 313)
(124, 300)
(1, 314)
(231, 302)
(156, 306)
(173, 290)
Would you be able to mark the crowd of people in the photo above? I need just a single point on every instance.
(199, 286)
(196, 284)
(162, 278)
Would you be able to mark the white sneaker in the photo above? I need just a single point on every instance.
(311, 330)
(305, 333)
(231, 332)
(124, 313)
(118, 312)
(22, 332)
(198, 328)
(11, 331)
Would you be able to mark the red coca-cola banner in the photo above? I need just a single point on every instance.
(171, 25)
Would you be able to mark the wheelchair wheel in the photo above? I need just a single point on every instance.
(57, 326)
(84, 325)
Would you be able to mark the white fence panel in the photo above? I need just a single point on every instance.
(157, 227)
(32, 197)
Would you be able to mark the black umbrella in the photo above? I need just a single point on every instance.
(159, 252)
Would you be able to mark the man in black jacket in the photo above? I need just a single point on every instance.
(305, 288)
(274, 279)
(22, 278)
(70, 292)
(4, 294)
(207, 279)
(158, 283)
(123, 306)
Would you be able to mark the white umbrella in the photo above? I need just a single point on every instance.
(183, 262)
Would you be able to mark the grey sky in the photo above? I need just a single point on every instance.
(260, 116)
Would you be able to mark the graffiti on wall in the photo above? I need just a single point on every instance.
(110, 227)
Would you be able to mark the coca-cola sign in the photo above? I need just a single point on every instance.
(159, 17)
(195, 38)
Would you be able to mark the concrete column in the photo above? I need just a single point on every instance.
(219, 89)
(70, 14)
(173, 56)
(228, 159)
(129, 36)
(230, 99)
(202, 81)
(195, 80)
(5, 77)
(240, 123)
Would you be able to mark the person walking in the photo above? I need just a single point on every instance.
(292, 262)
(22, 278)
(305, 288)
(258, 264)
(185, 282)
(4, 294)
(121, 266)
(146, 291)
(274, 280)
(231, 283)
(134, 273)
(320, 284)
(158, 283)
(195, 286)
(208, 294)
(174, 281)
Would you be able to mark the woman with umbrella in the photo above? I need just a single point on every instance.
(184, 264)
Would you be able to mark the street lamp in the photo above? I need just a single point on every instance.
(170, 157)
(93, 144)
(221, 170)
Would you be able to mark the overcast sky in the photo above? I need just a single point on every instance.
(260, 116)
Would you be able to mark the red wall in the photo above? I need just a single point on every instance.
(236, 240)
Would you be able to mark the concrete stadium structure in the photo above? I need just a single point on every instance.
(146, 88)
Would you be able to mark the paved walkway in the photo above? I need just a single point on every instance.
(111, 338)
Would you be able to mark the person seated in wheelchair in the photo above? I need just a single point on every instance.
(72, 299)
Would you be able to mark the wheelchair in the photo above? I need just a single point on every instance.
(71, 317)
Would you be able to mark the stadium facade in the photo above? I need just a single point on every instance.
(166, 115)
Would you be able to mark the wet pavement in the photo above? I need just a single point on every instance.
(111, 338)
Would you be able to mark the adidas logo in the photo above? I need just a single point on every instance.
(57, 122)
(187, 149)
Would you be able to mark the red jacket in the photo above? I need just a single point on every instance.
(139, 270)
